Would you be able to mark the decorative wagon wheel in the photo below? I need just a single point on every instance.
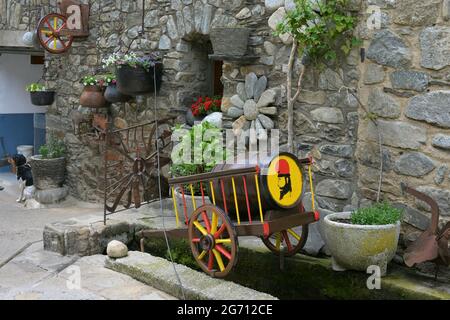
(291, 241)
(213, 241)
(50, 35)
(137, 146)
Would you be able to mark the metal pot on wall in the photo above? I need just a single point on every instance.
(113, 95)
(230, 41)
(92, 97)
(42, 98)
(136, 81)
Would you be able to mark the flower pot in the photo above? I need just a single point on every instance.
(356, 247)
(92, 97)
(113, 95)
(136, 81)
(42, 98)
(48, 173)
(230, 41)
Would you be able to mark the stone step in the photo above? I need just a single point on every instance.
(159, 273)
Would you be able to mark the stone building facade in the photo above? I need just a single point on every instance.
(402, 78)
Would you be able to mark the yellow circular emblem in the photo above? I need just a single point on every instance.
(285, 181)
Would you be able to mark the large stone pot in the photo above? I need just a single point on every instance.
(230, 41)
(356, 247)
(42, 98)
(137, 81)
(48, 173)
(92, 97)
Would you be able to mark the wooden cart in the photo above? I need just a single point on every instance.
(261, 200)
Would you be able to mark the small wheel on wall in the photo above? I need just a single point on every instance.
(213, 241)
(50, 36)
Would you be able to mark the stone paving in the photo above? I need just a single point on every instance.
(40, 275)
(37, 274)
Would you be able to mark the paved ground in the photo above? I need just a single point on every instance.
(37, 274)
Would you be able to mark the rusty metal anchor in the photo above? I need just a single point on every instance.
(432, 245)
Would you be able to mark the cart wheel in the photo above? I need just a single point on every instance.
(291, 241)
(213, 240)
(49, 33)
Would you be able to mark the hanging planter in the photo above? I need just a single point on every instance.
(39, 95)
(230, 41)
(92, 95)
(136, 75)
(111, 93)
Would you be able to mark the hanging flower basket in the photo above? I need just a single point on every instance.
(135, 81)
(39, 95)
(42, 98)
(230, 41)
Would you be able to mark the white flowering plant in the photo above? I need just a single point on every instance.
(131, 59)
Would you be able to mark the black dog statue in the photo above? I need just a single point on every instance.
(24, 175)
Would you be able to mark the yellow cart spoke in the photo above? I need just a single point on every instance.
(219, 260)
(278, 242)
(220, 241)
(294, 234)
(200, 228)
(202, 255)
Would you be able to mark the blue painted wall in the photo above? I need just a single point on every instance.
(17, 129)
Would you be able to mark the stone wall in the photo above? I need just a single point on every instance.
(176, 28)
(405, 84)
(403, 81)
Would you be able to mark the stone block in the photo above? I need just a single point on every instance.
(417, 13)
(433, 108)
(410, 80)
(383, 105)
(441, 196)
(435, 47)
(389, 49)
(336, 189)
(414, 164)
(398, 134)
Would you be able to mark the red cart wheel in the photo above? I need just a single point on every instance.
(213, 240)
(49, 33)
(291, 241)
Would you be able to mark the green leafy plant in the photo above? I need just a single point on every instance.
(378, 214)
(109, 79)
(90, 81)
(322, 28)
(55, 148)
(35, 87)
(208, 145)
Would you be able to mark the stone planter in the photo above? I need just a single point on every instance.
(356, 247)
(189, 205)
(230, 41)
(42, 98)
(113, 95)
(137, 81)
(92, 97)
(48, 173)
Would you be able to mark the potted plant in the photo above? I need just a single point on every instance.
(202, 107)
(230, 41)
(39, 95)
(92, 95)
(111, 93)
(179, 168)
(368, 236)
(49, 167)
(136, 75)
